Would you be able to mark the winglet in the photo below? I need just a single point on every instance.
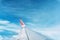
(22, 24)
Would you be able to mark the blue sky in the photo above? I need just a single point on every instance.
(40, 15)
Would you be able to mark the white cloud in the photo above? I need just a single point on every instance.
(4, 22)
(53, 32)
(7, 25)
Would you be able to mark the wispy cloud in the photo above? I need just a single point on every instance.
(4, 22)
(7, 25)
(12, 27)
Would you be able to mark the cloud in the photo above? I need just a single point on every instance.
(7, 25)
(53, 32)
(50, 31)
(4, 22)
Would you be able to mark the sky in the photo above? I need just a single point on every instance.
(42, 16)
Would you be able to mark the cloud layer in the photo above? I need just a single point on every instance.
(8, 29)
